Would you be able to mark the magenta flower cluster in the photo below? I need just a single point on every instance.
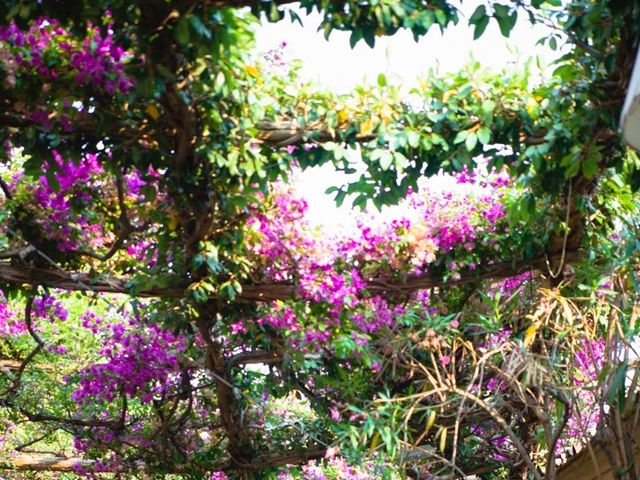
(279, 239)
(583, 421)
(48, 51)
(139, 359)
(65, 202)
(218, 476)
(45, 307)
(334, 468)
(49, 307)
(10, 324)
(67, 214)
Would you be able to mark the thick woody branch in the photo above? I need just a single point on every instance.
(281, 133)
(76, 422)
(20, 275)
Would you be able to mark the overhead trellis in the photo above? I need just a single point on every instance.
(145, 155)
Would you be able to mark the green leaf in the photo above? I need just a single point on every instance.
(505, 17)
(199, 27)
(481, 26)
(326, 28)
(634, 180)
(382, 80)
(294, 17)
(500, 10)
(427, 20)
(386, 159)
(413, 138)
(52, 179)
(360, 201)
(401, 161)
(460, 137)
(33, 166)
(488, 106)
(149, 193)
(164, 72)
(617, 387)
(441, 17)
(213, 265)
(471, 141)
(182, 31)
(480, 20)
(572, 170)
(369, 37)
(275, 15)
(355, 36)
(590, 165)
(484, 135)
(566, 72)
(340, 196)
(478, 14)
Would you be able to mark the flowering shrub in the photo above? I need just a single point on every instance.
(141, 360)
(446, 233)
(9, 323)
(49, 52)
(586, 414)
(65, 212)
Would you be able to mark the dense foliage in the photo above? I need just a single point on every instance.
(168, 308)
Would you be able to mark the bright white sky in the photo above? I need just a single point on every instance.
(334, 65)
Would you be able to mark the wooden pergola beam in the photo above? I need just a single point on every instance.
(21, 275)
(41, 463)
(10, 364)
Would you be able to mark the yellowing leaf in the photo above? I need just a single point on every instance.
(443, 439)
(568, 315)
(343, 116)
(153, 111)
(530, 334)
(532, 107)
(386, 113)
(366, 127)
(375, 441)
(173, 222)
(447, 95)
(252, 70)
(430, 421)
